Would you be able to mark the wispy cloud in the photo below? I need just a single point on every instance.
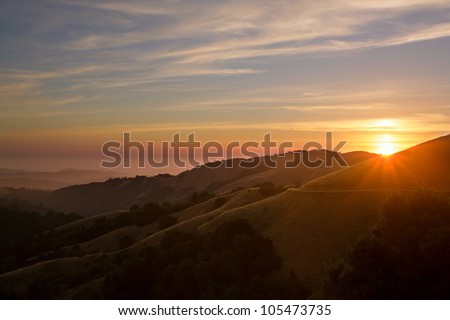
(410, 124)
(11, 89)
(30, 74)
(336, 107)
(187, 39)
(257, 25)
(235, 64)
(133, 8)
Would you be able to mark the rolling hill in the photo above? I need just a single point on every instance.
(425, 165)
(308, 225)
(218, 177)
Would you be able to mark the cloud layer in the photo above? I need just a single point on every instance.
(290, 64)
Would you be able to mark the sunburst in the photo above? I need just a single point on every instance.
(386, 145)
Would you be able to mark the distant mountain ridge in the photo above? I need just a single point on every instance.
(423, 165)
(50, 180)
(121, 193)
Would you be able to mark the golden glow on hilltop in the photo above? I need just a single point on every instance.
(386, 145)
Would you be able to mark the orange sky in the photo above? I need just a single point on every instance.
(77, 74)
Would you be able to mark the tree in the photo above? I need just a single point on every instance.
(403, 257)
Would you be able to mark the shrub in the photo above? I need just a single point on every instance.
(404, 257)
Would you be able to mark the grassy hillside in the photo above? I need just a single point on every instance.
(304, 233)
(308, 226)
(425, 165)
(117, 238)
(284, 175)
(121, 193)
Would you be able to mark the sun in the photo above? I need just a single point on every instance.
(386, 145)
(386, 150)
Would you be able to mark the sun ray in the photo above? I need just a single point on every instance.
(386, 145)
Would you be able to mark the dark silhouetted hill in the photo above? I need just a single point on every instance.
(121, 193)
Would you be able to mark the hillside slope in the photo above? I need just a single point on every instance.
(308, 226)
(425, 165)
(121, 193)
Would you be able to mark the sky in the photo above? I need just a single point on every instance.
(75, 74)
